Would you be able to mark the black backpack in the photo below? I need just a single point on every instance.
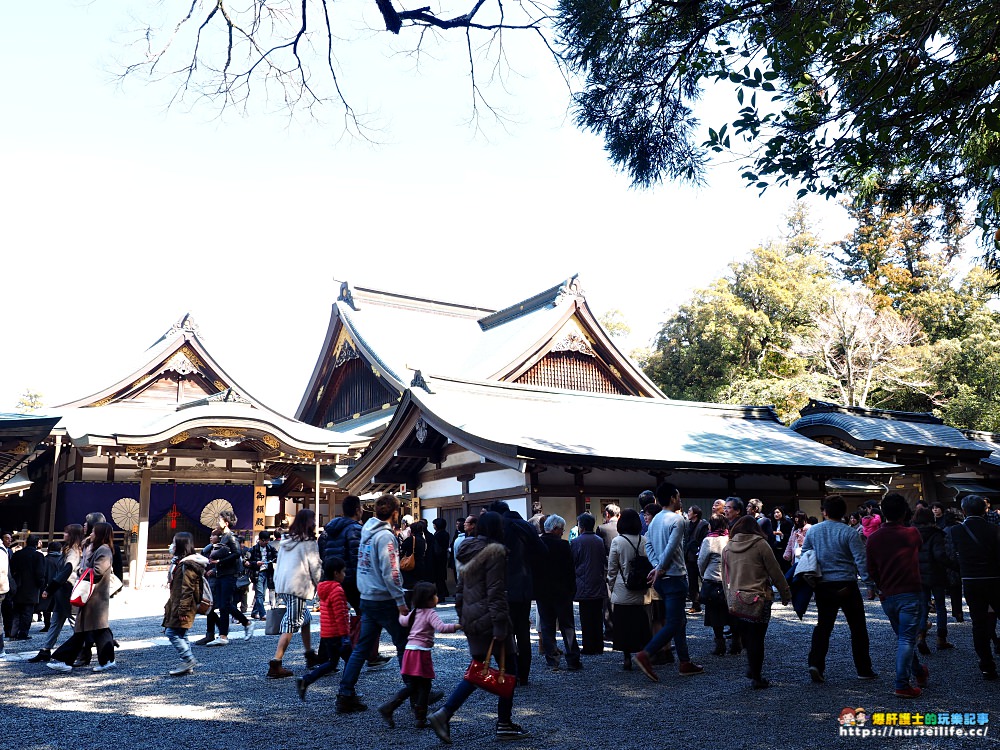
(639, 569)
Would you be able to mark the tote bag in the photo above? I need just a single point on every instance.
(83, 589)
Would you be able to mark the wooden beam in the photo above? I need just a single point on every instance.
(456, 501)
(142, 540)
(453, 472)
(431, 454)
(394, 478)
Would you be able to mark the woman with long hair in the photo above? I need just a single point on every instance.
(800, 525)
(630, 613)
(92, 618)
(749, 570)
(185, 581)
(296, 576)
(59, 588)
(481, 603)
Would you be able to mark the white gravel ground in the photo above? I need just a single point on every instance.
(227, 704)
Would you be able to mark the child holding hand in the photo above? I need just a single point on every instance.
(334, 624)
(418, 668)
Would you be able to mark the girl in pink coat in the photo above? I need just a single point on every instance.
(418, 668)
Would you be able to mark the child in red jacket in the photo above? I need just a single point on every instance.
(334, 624)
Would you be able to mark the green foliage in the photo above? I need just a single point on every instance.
(897, 102)
(786, 395)
(614, 323)
(29, 402)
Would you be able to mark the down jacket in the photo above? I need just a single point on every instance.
(343, 539)
(185, 592)
(298, 569)
(934, 560)
(481, 597)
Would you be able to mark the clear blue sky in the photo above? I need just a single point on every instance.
(118, 216)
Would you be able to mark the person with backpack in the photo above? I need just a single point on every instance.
(628, 571)
(186, 581)
(555, 587)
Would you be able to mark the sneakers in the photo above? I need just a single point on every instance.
(59, 666)
(990, 674)
(440, 722)
(379, 661)
(908, 692)
(248, 631)
(203, 641)
(816, 674)
(349, 704)
(869, 676)
(220, 641)
(301, 686)
(508, 730)
(186, 668)
(923, 676)
(689, 669)
(103, 667)
(275, 671)
(642, 661)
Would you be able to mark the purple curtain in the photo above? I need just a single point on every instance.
(77, 499)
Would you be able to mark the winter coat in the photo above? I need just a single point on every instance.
(977, 545)
(27, 566)
(710, 557)
(343, 538)
(623, 552)
(185, 592)
(379, 578)
(426, 622)
(229, 564)
(556, 580)
(696, 536)
(525, 551)
(588, 558)
(749, 562)
(934, 560)
(4, 573)
(299, 568)
(481, 596)
(255, 556)
(423, 570)
(334, 618)
(796, 538)
(94, 614)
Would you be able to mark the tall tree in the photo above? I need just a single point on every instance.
(897, 101)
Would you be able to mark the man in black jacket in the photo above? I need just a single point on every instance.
(260, 568)
(555, 588)
(342, 538)
(524, 551)
(27, 567)
(977, 544)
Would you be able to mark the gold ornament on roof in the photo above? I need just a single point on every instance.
(103, 401)
(140, 381)
(219, 384)
(21, 448)
(271, 442)
(134, 449)
(225, 432)
(308, 455)
(180, 438)
(189, 352)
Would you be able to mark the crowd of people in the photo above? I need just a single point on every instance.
(636, 577)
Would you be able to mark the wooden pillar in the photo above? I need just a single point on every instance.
(316, 496)
(54, 489)
(142, 540)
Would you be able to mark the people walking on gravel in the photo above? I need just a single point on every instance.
(750, 571)
(185, 581)
(296, 576)
(260, 568)
(591, 584)
(380, 585)
(554, 588)
(977, 546)
(59, 588)
(894, 566)
(418, 667)
(665, 549)
(934, 565)
(840, 556)
(334, 625)
(226, 568)
(483, 610)
(713, 595)
(92, 618)
(629, 607)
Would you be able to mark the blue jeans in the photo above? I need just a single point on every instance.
(331, 651)
(464, 689)
(375, 616)
(258, 596)
(673, 591)
(904, 612)
(178, 639)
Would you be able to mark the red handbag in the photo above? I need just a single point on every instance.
(83, 588)
(495, 681)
